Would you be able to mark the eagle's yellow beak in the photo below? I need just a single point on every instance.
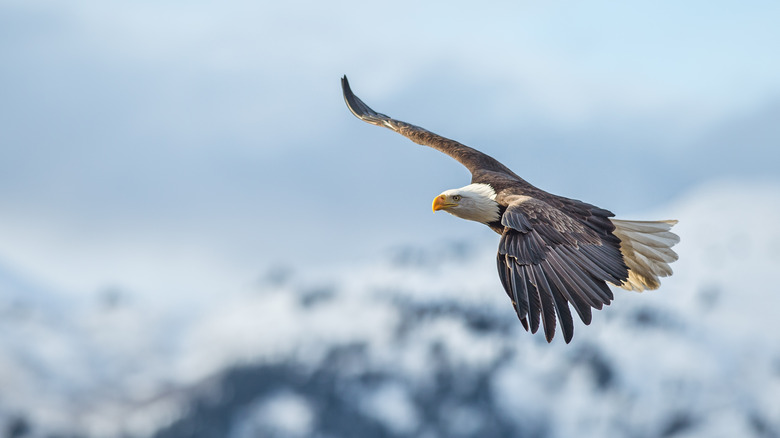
(440, 203)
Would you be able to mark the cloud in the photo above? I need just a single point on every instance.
(221, 129)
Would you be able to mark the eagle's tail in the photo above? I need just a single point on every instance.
(647, 251)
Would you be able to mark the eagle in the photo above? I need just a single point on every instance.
(554, 252)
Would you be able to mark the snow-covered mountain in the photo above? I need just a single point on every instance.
(420, 343)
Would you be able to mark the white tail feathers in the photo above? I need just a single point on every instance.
(647, 251)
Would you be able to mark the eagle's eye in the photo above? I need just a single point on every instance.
(456, 198)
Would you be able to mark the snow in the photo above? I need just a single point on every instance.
(699, 357)
(286, 413)
(391, 404)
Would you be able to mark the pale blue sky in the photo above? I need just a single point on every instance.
(137, 131)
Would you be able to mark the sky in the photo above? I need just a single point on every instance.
(194, 146)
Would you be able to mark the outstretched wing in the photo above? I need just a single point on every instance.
(549, 258)
(473, 159)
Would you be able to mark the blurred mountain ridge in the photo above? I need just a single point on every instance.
(420, 343)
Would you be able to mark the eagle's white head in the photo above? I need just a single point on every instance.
(475, 202)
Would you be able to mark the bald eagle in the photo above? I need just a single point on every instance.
(554, 251)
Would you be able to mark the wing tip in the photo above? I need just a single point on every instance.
(345, 85)
(349, 96)
(359, 108)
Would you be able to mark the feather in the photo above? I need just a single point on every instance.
(534, 302)
(647, 251)
(580, 305)
(545, 301)
(519, 289)
(576, 288)
(561, 302)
